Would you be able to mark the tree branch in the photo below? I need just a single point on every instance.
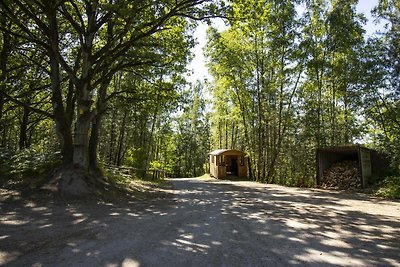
(22, 104)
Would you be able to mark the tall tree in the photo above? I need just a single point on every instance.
(381, 80)
(88, 42)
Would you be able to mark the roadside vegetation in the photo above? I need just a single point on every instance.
(389, 188)
(27, 173)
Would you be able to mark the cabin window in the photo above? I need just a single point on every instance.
(241, 161)
(222, 160)
(212, 158)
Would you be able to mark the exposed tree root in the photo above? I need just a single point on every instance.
(71, 181)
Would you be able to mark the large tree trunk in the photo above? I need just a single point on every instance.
(93, 143)
(100, 110)
(63, 126)
(82, 126)
(84, 101)
(81, 142)
(67, 180)
(96, 126)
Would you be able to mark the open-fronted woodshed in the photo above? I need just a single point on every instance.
(369, 164)
(228, 164)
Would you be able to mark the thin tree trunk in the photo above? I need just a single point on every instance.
(4, 54)
(121, 140)
(111, 143)
(226, 134)
(23, 129)
(219, 133)
(233, 145)
(333, 114)
(150, 139)
(259, 113)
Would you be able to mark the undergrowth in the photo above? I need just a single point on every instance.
(389, 188)
(30, 166)
(131, 186)
(30, 169)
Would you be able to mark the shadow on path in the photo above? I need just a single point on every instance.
(206, 224)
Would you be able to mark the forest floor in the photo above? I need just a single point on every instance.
(203, 222)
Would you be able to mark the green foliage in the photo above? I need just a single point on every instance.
(28, 166)
(389, 188)
(5, 162)
(135, 157)
(156, 164)
(116, 177)
(192, 133)
(380, 84)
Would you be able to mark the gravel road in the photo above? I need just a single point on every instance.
(206, 223)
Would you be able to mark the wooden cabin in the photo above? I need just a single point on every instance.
(228, 164)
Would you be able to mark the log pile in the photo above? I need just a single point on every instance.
(342, 175)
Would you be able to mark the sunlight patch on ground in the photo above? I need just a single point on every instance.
(299, 225)
(14, 222)
(127, 262)
(206, 177)
(190, 246)
(332, 258)
(7, 256)
(295, 239)
(335, 243)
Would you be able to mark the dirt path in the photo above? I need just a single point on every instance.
(207, 223)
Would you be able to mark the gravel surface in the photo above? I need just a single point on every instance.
(205, 223)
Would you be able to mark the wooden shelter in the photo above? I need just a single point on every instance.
(228, 164)
(371, 164)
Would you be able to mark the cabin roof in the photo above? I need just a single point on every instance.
(227, 151)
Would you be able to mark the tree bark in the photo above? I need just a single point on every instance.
(4, 54)
(100, 107)
(84, 99)
(63, 126)
(23, 129)
(81, 133)
(96, 126)
(121, 139)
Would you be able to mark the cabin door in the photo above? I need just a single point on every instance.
(234, 167)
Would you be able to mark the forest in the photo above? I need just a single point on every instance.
(87, 84)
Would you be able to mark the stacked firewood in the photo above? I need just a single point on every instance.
(342, 175)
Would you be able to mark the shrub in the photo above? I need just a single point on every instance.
(27, 162)
(389, 187)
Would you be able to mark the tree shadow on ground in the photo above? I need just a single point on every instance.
(205, 224)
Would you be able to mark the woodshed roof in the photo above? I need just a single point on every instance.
(345, 148)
